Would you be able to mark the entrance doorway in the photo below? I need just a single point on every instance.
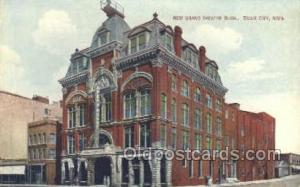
(103, 171)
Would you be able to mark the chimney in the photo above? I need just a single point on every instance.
(202, 57)
(177, 41)
(40, 99)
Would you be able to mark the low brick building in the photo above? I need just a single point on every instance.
(251, 131)
(43, 148)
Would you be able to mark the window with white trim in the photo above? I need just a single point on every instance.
(81, 142)
(185, 88)
(197, 119)
(173, 82)
(185, 115)
(82, 113)
(198, 141)
(138, 42)
(71, 144)
(174, 138)
(173, 110)
(208, 101)
(208, 123)
(130, 105)
(145, 135)
(219, 127)
(72, 116)
(129, 136)
(145, 103)
(197, 95)
(163, 136)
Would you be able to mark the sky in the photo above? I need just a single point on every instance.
(258, 59)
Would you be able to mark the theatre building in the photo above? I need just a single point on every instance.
(140, 86)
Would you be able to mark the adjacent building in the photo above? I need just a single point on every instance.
(250, 131)
(146, 86)
(16, 112)
(43, 148)
(287, 164)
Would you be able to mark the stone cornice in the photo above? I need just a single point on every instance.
(74, 79)
(159, 55)
(104, 49)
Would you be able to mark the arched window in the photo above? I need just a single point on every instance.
(185, 114)
(130, 105)
(185, 88)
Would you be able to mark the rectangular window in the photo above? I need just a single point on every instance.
(72, 116)
(163, 135)
(185, 115)
(173, 83)
(219, 127)
(219, 145)
(145, 135)
(197, 95)
(51, 154)
(208, 142)
(198, 141)
(142, 41)
(52, 138)
(108, 107)
(81, 142)
(174, 111)
(130, 105)
(174, 138)
(208, 123)
(191, 171)
(133, 45)
(163, 107)
(208, 101)
(188, 56)
(168, 42)
(129, 137)
(103, 38)
(197, 120)
(145, 103)
(200, 168)
(82, 115)
(185, 88)
(218, 105)
(71, 144)
(186, 140)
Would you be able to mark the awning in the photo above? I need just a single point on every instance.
(12, 170)
(296, 167)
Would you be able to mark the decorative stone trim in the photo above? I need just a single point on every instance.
(137, 74)
(74, 79)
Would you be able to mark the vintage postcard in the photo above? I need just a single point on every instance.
(149, 93)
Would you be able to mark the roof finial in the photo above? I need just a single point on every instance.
(155, 15)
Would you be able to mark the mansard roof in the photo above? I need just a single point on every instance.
(119, 37)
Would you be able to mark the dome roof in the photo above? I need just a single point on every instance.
(115, 25)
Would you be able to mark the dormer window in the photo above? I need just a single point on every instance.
(168, 42)
(138, 42)
(142, 41)
(191, 58)
(103, 38)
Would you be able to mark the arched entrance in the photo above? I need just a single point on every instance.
(103, 171)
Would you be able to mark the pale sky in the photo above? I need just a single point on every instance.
(258, 60)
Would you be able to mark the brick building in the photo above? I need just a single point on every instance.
(142, 86)
(42, 152)
(16, 112)
(250, 131)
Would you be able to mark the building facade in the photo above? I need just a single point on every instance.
(287, 164)
(16, 112)
(246, 131)
(43, 149)
(143, 87)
